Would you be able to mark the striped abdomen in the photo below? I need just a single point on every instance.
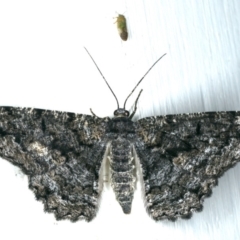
(122, 172)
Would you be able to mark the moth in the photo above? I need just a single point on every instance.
(122, 27)
(180, 157)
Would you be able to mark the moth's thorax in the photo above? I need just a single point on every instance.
(121, 125)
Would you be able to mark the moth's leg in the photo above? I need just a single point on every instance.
(135, 105)
(93, 113)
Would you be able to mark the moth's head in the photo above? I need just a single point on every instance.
(121, 112)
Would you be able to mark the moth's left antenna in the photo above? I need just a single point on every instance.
(103, 78)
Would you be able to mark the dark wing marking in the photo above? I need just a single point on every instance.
(61, 153)
(181, 158)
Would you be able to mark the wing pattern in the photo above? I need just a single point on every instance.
(61, 153)
(182, 156)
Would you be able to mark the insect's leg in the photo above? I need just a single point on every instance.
(135, 105)
(93, 113)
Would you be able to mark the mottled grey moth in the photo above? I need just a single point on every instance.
(180, 157)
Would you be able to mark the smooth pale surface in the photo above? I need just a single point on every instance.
(43, 64)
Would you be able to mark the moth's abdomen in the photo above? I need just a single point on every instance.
(122, 172)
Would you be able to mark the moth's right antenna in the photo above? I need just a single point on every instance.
(103, 78)
(142, 79)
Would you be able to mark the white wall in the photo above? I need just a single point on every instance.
(43, 64)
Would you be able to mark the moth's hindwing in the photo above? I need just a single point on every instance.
(182, 156)
(61, 153)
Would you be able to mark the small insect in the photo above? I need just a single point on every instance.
(180, 157)
(122, 27)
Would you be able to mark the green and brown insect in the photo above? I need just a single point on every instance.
(122, 27)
